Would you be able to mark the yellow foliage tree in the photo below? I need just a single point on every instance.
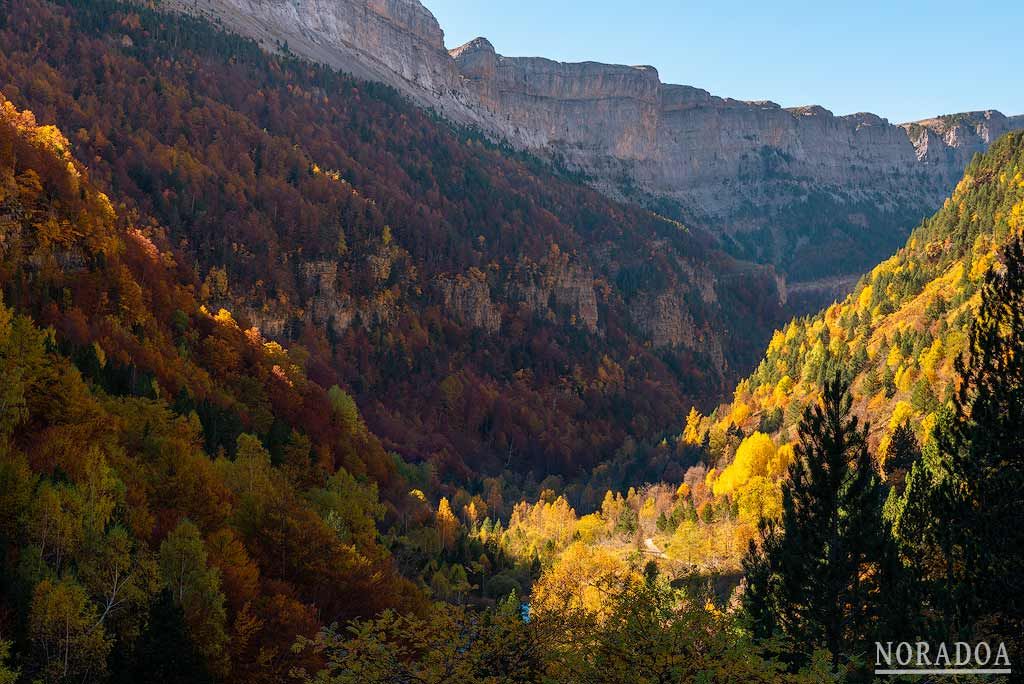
(904, 378)
(752, 459)
(691, 433)
(590, 528)
(612, 507)
(930, 360)
(782, 391)
(740, 412)
(780, 462)
(759, 498)
(901, 413)
(446, 523)
(864, 300)
(576, 580)
(471, 514)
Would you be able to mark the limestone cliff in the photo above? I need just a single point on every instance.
(468, 298)
(556, 285)
(815, 194)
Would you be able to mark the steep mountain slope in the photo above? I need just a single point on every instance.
(898, 334)
(815, 194)
(139, 435)
(485, 312)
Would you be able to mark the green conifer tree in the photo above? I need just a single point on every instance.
(983, 446)
(904, 451)
(828, 576)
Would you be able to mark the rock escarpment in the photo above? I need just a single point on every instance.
(953, 139)
(556, 285)
(397, 42)
(468, 298)
(815, 194)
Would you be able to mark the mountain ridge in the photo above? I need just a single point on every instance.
(475, 304)
(767, 179)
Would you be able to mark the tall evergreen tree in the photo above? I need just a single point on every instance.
(828, 575)
(983, 446)
(918, 508)
(904, 451)
(922, 515)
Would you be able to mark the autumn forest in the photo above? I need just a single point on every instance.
(300, 382)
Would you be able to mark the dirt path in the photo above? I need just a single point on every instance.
(652, 548)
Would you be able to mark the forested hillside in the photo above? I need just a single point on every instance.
(148, 534)
(138, 506)
(895, 340)
(896, 337)
(485, 312)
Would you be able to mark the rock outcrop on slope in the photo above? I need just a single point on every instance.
(955, 138)
(817, 195)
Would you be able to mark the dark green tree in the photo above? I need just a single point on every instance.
(904, 451)
(164, 653)
(920, 512)
(983, 450)
(828, 575)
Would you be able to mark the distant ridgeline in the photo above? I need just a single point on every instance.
(815, 194)
(897, 335)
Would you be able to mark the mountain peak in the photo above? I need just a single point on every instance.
(477, 44)
(476, 59)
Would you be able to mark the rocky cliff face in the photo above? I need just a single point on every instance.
(780, 182)
(468, 298)
(397, 42)
(556, 285)
(952, 140)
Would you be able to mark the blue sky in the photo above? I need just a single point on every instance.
(902, 60)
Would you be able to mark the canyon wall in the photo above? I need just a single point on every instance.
(815, 194)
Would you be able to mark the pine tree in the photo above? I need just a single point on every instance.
(920, 516)
(828, 575)
(762, 580)
(984, 449)
(903, 452)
